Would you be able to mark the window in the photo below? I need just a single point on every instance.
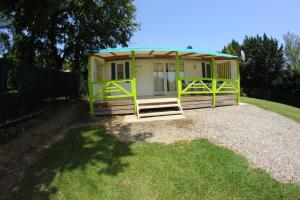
(224, 70)
(120, 71)
(206, 70)
(99, 73)
(182, 69)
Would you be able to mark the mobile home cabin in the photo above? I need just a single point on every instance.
(160, 81)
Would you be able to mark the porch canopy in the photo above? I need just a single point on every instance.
(146, 52)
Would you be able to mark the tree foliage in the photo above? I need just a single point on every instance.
(4, 43)
(232, 48)
(292, 52)
(49, 33)
(264, 62)
(264, 73)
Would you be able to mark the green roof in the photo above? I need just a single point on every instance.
(136, 49)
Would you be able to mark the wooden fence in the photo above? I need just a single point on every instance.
(35, 85)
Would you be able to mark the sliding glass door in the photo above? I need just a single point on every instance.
(171, 77)
(164, 75)
(159, 78)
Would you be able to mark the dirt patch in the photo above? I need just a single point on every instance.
(182, 123)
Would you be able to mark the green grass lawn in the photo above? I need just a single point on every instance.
(90, 164)
(282, 109)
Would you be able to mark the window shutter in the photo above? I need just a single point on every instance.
(209, 71)
(127, 74)
(203, 70)
(113, 71)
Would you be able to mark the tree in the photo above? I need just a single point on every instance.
(292, 52)
(4, 43)
(4, 35)
(233, 48)
(264, 64)
(49, 33)
(189, 47)
(264, 73)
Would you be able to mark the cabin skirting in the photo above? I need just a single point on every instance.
(126, 106)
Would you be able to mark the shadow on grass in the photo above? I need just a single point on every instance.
(80, 148)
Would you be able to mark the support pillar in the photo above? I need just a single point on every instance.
(179, 82)
(214, 81)
(90, 85)
(238, 81)
(133, 85)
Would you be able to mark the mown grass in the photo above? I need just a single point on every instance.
(282, 109)
(91, 164)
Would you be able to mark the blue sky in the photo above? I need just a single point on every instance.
(210, 24)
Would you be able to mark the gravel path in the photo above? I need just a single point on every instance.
(268, 140)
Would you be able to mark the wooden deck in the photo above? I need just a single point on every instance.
(205, 101)
(226, 100)
(126, 106)
(194, 102)
(114, 107)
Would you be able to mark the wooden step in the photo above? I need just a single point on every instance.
(152, 114)
(158, 106)
(159, 100)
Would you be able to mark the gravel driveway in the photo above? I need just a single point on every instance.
(268, 140)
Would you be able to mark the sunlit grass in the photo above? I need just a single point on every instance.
(282, 109)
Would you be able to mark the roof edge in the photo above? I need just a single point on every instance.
(124, 49)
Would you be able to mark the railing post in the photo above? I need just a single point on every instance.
(133, 85)
(214, 81)
(179, 82)
(238, 81)
(90, 85)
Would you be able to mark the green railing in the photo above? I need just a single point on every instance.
(112, 89)
(195, 86)
(204, 86)
(227, 86)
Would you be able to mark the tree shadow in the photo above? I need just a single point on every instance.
(82, 147)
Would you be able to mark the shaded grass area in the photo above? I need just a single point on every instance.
(282, 109)
(10, 103)
(91, 164)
